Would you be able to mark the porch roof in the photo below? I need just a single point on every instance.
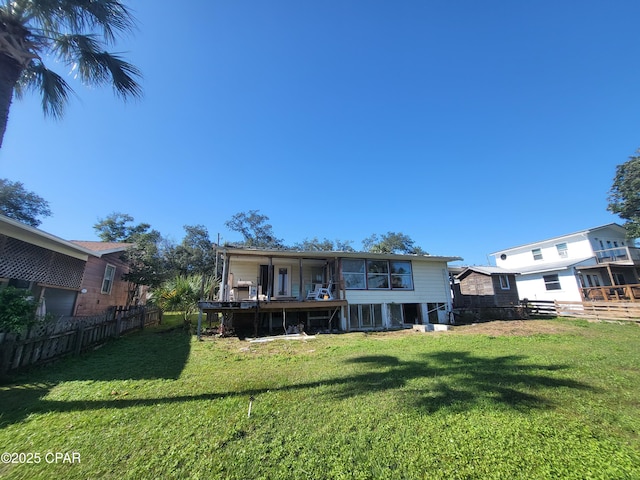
(487, 270)
(555, 266)
(257, 252)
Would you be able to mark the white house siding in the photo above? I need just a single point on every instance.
(532, 287)
(605, 238)
(243, 271)
(581, 248)
(431, 285)
(578, 246)
(430, 296)
(249, 269)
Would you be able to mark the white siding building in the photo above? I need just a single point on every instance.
(348, 291)
(574, 266)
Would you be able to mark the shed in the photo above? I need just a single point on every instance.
(485, 287)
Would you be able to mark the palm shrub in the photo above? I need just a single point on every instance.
(182, 293)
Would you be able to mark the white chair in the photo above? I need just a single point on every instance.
(314, 292)
(320, 293)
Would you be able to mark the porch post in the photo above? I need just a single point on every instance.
(223, 280)
(269, 279)
(301, 294)
(610, 274)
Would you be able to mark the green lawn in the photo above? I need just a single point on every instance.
(558, 399)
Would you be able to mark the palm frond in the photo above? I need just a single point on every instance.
(98, 67)
(122, 76)
(71, 46)
(75, 31)
(55, 91)
(80, 16)
(112, 16)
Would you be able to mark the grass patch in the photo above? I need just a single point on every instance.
(556, 399)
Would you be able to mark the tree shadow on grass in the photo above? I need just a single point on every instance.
(451, 380)
(159, 354)
(459, 381)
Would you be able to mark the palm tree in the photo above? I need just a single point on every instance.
(71, 32)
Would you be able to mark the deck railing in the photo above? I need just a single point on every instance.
(612, 293)
(624, 255)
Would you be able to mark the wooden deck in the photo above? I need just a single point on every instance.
(272, 305)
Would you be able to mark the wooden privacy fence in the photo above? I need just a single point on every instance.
(600, 310)
(71, 336)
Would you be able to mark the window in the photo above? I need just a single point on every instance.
(433, 309)
(283, 281)
(590, 280)
(365, 316)
(504, 282)
(107, 280)
(562, 250)
(401, 275)
(377, 274)
(551, 282)
(537, 254)
(395, 314)
(353, 274)
(618, 279)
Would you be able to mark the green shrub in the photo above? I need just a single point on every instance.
(17, 309)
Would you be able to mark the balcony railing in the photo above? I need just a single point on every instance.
(621, 255)
(612, 293)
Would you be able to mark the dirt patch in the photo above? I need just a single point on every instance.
(514, 328)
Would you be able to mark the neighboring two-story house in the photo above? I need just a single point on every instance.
(593, 264)
(275, 289)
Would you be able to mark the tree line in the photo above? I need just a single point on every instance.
(180, 274)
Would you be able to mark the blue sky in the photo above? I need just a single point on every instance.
(469, 126)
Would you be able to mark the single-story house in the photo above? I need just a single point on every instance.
(67, 278)
(271, 290)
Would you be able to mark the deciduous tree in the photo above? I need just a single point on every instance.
(326, 245)
(391, 242)
(145, 257)
(624, 196)
(254, 229)
(20, 204)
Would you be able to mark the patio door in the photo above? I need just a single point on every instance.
(278, 277)
(282, 282)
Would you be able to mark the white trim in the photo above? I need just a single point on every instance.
(111, 280)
